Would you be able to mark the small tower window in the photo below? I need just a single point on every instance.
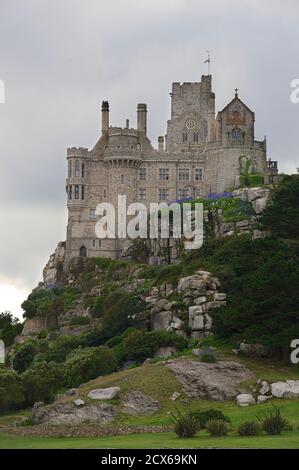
(185, 136)
(70, 192)
(195, 136)
(105, 193)
(236, 133)
(198, 174)
(82, 192)
(100, 243)
(70, 169)
(77, 168)
(77, 192)
(83, 252)
(83, 170)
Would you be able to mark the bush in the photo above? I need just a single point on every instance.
(42, 381)
(85, 364)
(202, 417)
(209, 358)
(63, 346)
(217, 427)
(273, 423)
(12, 395)
(248, 428)
(80, 321)
(185, 425)
(24, 356)
(9, 328)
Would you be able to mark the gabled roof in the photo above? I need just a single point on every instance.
(236, 98)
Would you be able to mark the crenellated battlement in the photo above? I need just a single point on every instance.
(77, 152)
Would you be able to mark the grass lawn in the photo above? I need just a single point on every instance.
(288, 440)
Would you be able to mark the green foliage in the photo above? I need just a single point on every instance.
(42, 381)
(24, 356)
(282, 212)
(251, 180)
(208, 357)
(97, 307)
(184, 424)
(202, 417)
(85, 364)
(217, 427)
(272, 422)
(9, 328)
(36, 299)
(248, 428)
(12, 394)
(80, 321)
(63, 346)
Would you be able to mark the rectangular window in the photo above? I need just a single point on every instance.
(141, 194)
(163, 194)
(183, 192)
(142, 174)
(83, 170)
(70, 192)
(94, 243)
(198, 174)
(70, 169)
(92, 214)
(185, 136)
(82, 193)
(100, 243)
(183, 174)
(164, 174)
(195, 137)
(77, 192)
(77, 168)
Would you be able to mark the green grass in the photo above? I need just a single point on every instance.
(288, 440)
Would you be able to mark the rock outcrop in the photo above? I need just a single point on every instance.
(104, 393)
(137, 402)
(71, 413)
(217, 381)
(53, 271)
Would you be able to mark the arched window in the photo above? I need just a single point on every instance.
(195, 136)
(236, 133)
(83, 251)
(185, 136)
(77, 192)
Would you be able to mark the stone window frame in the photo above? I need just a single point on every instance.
(164, 174)
(185, 136)
(77, 168)
(183, 174)
(142, 173)
(183, 192)
(142, 194)
(77, 191)
(163, 194)
(92, 214)
(196, 137)
(198, 174)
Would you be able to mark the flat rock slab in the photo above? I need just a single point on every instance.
(218, 381)
(104, 393)
(136, 402)
(69, 413)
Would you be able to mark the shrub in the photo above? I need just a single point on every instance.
(63, 346)
(272, 422)
(42, 381)
(202, 417)
(248, 428)
(24, 356)
(217, 427)
(9, 328)
(210, 358)
(85, 364)
(185, 425)
(80, 321)
(12, 394)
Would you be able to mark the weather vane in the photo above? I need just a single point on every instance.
(208, 61)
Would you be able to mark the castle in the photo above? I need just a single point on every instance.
(200, 154)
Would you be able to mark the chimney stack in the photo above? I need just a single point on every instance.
(105, 116)
(141, 117)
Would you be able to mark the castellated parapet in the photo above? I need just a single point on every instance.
(200, 154)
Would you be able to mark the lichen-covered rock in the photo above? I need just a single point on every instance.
(245, 399)
(211, 381)
(288, 389)
(137, 402)
(104, 393)
(69, 413)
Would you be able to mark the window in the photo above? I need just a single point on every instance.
(142, 194)
(83, 251)
(77, 189)
(70, 169)
(77, 168)
(92, 214)
(164, 174)
(195, 136)
(198, 174)
(142, 174)
(83, 170)
(183, 192)
(100, 243)
(163, 194)
(183, 174)
(185, 136)
(122, 179)
(105, 193)
(94, 243)
(82, 193)
(236, 134)
(70, 192)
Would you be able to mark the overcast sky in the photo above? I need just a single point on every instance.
(60, 58)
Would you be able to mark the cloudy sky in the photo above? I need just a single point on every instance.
(60, 58)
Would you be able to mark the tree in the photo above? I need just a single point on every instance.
(86, 364)
(24, 356)
(42, 381)
(12, 394)
(9, 327)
